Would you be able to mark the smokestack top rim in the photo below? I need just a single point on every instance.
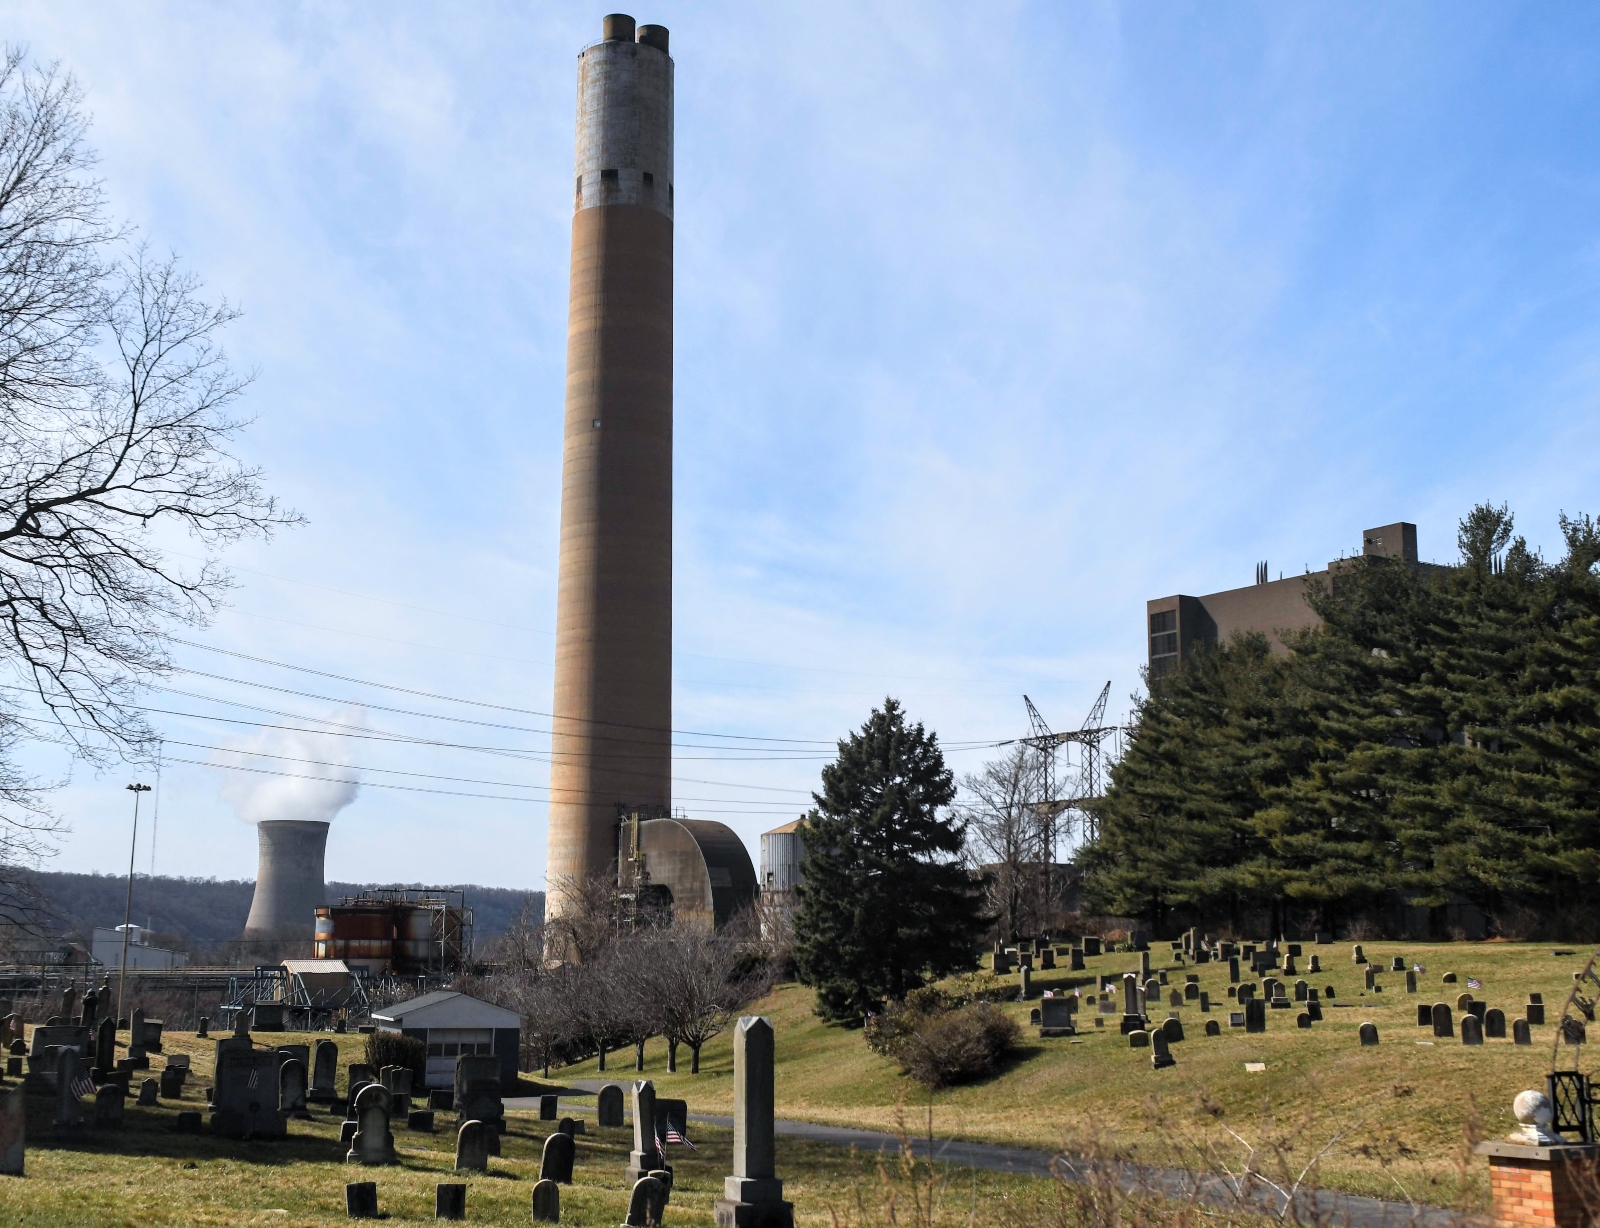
(655, 36)
(617, 28)
(292, 823)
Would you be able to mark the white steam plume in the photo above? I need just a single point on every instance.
(320, 779)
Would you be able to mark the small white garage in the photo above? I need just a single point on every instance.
(451, 1024)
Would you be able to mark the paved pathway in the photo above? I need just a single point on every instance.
(1323, 1207)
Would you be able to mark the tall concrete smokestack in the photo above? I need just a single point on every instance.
(289, 886)
(613, 680)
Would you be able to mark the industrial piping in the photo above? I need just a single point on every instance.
(612, 744)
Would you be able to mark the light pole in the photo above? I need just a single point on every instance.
(127, 915)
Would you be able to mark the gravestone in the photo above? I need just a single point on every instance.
(569, 1126)
(547, 1108)
(1172, 1029)
(1463, 1001)
(91, 1009)
(1255, 1015)
(1369, 1033)
(1357, 955)
(292, 1088)
(69, 1113)
(1471, 1030)
(105, 1045)
(359, 1072)
(1288, 966)
(1397, 964)
(481, 1102)
(646, 1155)
(1494, 1024)
(372, 1142)
(1055, 1017)
(1371, 976)
(1132, 1016)
(244, 1099)
(1151, 993)
(1075, 960)
(1328, 993)
(1175, 998)
(1138, 1039)
(1035, 1016)
(609, 1112)
(556, 1162)
(1449, 978)
(149, 1089)
(361, 1200)
(203, 1032)
(1160, 1055)
(1091, 945)
(13, 1122)
(1477, 1007)
(1300, 990)
(752, 1196)
(1047, 960)
(1315, 964)
(267, 1016)
(1025, 961)
(324, 1087)
(1411, 981)
(450, 1200)
(1443, 1023)
(1025, 975)
(472, 1147)
(172, 1080)
(1424, 1015)
(648, 1199)
(1314, 1009)
(420, 1121)
(476, 1068)
(1520, 1032)
(1233, 969)
(546, 1203)
(1144, 965)
(441, 1099)
(1213, 1028)
(1536, 997)
(1191, 992)
(187, 1122)
(1533, 1012)
(999, 962)
(1303, 1019)
(108, 1103)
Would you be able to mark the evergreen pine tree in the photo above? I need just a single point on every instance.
(886, 903)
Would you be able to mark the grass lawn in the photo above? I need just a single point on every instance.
(1397, 1115)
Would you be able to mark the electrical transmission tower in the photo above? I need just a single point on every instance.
(1058, 798)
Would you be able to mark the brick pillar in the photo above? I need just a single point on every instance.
(1542, 1187)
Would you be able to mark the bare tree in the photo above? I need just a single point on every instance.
(589, 920)
(116, 425)
(703, 980)
(1000, 805)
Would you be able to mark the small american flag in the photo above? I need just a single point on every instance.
(1474, 983)
(1418, 968)
(677, 1136)
(82, 1086)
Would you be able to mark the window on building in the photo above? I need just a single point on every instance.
(1163, 640)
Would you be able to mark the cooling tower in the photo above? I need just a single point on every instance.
(289, 886)
(612, 748)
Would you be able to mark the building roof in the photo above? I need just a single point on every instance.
(786, 829)
(304, 966)
(446, 1008)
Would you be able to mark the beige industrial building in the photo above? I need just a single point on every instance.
(1180, 625)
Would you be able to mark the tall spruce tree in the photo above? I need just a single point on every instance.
(886, 902)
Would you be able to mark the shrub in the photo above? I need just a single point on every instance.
(392, 1049)
(940, 1039)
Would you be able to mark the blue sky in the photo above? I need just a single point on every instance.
(993, 321)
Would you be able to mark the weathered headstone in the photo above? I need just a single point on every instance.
(1371, 976)
(645, 1203)
(172, 1080)
(1132, 1016)
(292, 1088)
(1191, 992)
(1443, 1023)
(1424, 1015)
(324, 1087)
(1172, 1029)
(1471, 1030)
(1314, 1009)
(548, 1108)
(361, 1200)
(752, 1196)
(1138, 1039)
(13, 1132)
(1255, 1015)
(1055, 1017)
(149, 1089)
(646, 1155)
(450, 1200)
(1303, 1019)
(1369, 1033)
(476, 1068)
(1357, 955)
(1463, 1001)
(480, 1101)
(108, 1099)
(1477, 1007)
(69, 1113)
(1301, 989)
(1213, 1028)
(1144, 965)
(1411, 981)
(1494, 1024)
(1160, 1055)
(472, 1147)
(187, 1122)
(1533, 1012)
(1091, 945)
(1075, 960)
(1520, 1032)
(105, 1045)
(546, 1203)
(372, 1143)
(1233, 969)
(1047, 960)
(1314, 965)
(1025, 977)
(204, 1030)
(609, 1109)
(1449, 978)
(420, 1121)
(244, 1101)
(555, 1164)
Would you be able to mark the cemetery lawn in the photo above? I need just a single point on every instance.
(1395, 1119)
(146, 1175)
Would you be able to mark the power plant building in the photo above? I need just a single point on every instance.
(400, 931)
(688, 871)
(612, 741)
(1180, 625)
(289, 882)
